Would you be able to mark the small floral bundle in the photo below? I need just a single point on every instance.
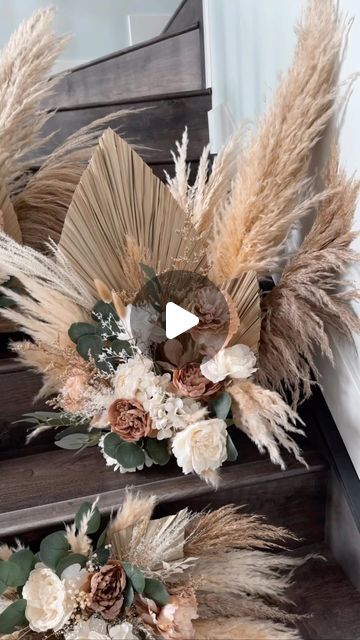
(185, 576)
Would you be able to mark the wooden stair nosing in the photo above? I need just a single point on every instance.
(237, 481)
(172, 62)
(188, 12)
(142, 127)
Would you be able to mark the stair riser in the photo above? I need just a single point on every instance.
(166, 64)
(154, 127)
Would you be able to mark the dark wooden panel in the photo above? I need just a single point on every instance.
(19, 386)
(45, 489)
(154, 126)
(169, 63)
(324, 594)
(188, 12)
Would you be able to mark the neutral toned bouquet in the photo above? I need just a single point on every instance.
(186, 576)
(141, 398)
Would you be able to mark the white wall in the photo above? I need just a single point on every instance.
(248, 43)
(98, 27)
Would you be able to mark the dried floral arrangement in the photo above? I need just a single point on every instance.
(189, 575)
(124, 227)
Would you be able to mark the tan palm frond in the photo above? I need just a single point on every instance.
(266, 198)
(118, 197)
(245, 295)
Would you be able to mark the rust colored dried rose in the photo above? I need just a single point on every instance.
(129, 420)
(106, 588)
(190, 382)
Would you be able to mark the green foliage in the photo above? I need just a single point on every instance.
(79, 329)
(135, 576)
(89, 346)
(75, 441)
(221, 405)
(102, 539)
(104, 310)
(103, 555)
(53, 548)
(155, 590)
(11, 575)
(232, 453)
(128, 595)
(13, 617)
(70, 559)
(158, 450)
(25, 560)
(128, 454)
(95, 520)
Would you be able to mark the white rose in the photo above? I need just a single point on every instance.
(201, 446)
(234, 362)
(46, 597)
(123, 631)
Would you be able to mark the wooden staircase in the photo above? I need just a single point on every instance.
(162, 82)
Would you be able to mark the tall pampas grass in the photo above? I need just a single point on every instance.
(25, 64)
(266, 198)
(242, 629)
(266, 419)
(310, 298)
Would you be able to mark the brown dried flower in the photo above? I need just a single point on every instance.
(188, 381)
(129, 419)
(174, 620)
(218, 320)
(106, 588)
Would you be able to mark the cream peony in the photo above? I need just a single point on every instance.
(201, 447)
(97, 629)
(46, 599)
(234, 362)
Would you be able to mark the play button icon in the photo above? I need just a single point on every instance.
(178, 320)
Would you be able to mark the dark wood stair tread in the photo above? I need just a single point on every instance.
(45, 489)
(322, 589)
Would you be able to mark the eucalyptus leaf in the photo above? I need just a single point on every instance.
(11, 575)
(128, 454)
(88, 346)
(221, 405)
(121, 345)
(135, 576)
(25, 560)
(128, 595)
(232, 453)
(53, 548)
(95, 520)
(78, 329)
(101, 539)
(103, 555)
(73, 441)
(104, 309)
(68, 561)
(13, 617)
(158, 450)
(155, 590)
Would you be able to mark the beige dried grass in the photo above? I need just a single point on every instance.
(266, 198)
(267, 420)
(25, 64)
(242, 629)
(228, 528)
(311, 298)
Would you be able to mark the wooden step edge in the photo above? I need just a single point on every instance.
(156, 97)
(127, 50)
(12, 365)
(167, 490)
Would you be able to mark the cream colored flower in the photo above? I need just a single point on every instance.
(234, 362)
(201, 447)
(46, 599)
(97, 629)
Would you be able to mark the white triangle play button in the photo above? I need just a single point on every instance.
(178, 320)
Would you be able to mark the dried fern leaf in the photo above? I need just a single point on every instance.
(44, 199)
(310, 299)
(25, 64)
(265, 202)
(119, 197)
(8, 221)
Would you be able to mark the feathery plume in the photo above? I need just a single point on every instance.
(242, 629)
(135, 508)
(267, 420)
(251, 230)
(25, 64)
(310, 298)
